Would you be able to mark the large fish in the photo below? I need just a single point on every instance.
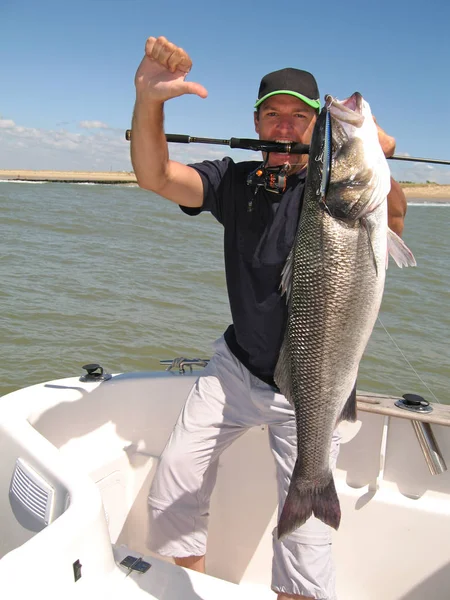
(334, 281)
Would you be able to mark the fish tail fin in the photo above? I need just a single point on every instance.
(326, 505)
(399, 251)
(297, 507)
(301, 504)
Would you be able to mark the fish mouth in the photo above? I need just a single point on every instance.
(349, 110)
(354, 102)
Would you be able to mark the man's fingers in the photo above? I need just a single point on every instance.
(164, 69)
(167, 54)
(195, 88)
(149, 46)
(161, 51)
(180, 60)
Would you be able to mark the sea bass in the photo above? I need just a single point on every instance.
(334, 281)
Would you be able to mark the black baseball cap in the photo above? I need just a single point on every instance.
(294, 82)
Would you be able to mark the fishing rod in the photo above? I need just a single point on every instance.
(435, 161)
(242, 143)
(268, 146)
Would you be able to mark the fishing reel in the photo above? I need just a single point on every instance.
(272, 179)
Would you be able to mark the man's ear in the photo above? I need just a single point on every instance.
(256, 121)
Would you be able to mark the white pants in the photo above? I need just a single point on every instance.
(223, 404)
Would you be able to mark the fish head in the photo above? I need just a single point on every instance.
(355, 176)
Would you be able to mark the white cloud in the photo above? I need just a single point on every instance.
(58, 149)
(6, 124)
(96, 147)
(419, 172)
(93, 125)
(104, 148)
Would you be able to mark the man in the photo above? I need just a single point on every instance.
(236, 390)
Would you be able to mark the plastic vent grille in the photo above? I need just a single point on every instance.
(32, 491)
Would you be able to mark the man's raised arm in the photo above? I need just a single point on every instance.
(160, 77)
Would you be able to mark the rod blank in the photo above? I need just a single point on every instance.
(242, 143)
(435, 161)
(268, 146)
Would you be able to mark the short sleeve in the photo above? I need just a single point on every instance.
(214, 175)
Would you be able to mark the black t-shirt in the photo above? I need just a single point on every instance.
(259, 231)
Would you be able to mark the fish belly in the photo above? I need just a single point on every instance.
(337, 287)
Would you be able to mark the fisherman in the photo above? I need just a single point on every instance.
(259, 207)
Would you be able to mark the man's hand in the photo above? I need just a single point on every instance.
(387, 142)
(396, 198)
(162, 72)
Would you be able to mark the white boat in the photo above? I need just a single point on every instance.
(77, 459)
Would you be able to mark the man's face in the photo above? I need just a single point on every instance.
(285, 118)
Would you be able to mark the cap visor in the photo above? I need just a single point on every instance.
(314, 103)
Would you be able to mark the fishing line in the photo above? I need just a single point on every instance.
(407, 361)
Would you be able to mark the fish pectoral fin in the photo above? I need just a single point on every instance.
(349, 411)
(367, 225)
(286, 275)
(399, 251)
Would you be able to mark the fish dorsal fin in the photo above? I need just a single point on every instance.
(399, 251)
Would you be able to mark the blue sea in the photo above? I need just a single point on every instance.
(116, 275)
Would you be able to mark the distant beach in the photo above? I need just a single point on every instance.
(69, 176)
(425, 191)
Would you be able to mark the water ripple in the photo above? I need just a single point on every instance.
(120, 276)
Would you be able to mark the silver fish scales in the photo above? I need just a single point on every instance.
(334, 280)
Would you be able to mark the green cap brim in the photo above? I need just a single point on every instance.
(314, 103)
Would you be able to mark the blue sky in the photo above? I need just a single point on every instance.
(67, 73)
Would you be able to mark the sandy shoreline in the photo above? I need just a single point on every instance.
(69, 176)
(432, 192)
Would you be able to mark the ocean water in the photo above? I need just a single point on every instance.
(119, 276)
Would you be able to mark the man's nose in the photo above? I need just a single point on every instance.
(285, 123)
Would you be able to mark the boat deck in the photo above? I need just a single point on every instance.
(166, 580)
